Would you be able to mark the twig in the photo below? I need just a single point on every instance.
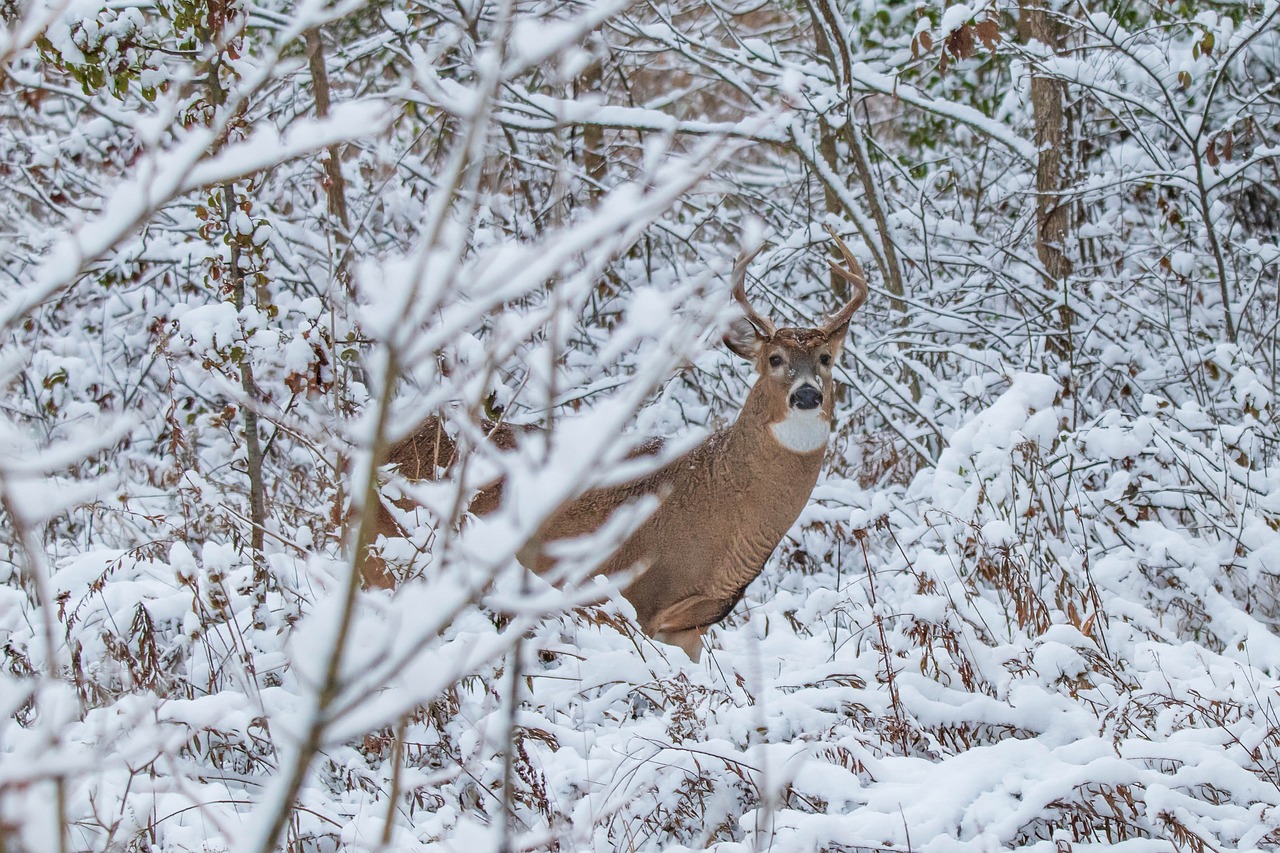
(889, 674)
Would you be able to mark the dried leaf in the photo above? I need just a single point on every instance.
(1211, 154)
(960, 42)
(1228, 144)
(989, 34)
(926, 40)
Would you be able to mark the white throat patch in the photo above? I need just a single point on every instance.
(802, 431)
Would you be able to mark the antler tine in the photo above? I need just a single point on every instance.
(856, 278)
(762, 323)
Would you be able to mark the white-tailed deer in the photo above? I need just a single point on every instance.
(724, 505)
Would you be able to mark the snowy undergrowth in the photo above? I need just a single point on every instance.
(250, 244)
(1039, 644)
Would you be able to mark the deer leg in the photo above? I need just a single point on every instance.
(684, 623)
(373, 569)
(690, 640)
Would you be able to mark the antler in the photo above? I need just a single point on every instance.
(763, 324)
(856, 278)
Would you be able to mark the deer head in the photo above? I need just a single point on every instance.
(795, 389)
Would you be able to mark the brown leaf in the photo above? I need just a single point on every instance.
(296, 382)
(989, 33)
(1211, 154)
(960, 42)
(1228, 144)
(926, 40)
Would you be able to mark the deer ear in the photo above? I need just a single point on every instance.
(744, 339)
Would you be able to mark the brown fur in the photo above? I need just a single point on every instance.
(722, 506)
(420, 456)
(429, 450)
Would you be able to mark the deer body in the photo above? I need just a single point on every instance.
(724, 505)
(420, 456)
(694, 563)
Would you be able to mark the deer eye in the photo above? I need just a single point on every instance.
(775, 361)
(824, 359)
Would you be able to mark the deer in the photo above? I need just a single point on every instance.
(722, 506)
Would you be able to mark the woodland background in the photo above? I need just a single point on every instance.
(1032, 605)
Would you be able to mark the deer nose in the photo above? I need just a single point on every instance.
(806, 397)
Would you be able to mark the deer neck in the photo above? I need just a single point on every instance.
(766, 485)
(786, 446)
(802, 432)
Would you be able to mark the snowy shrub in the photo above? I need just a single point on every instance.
(1032, 605)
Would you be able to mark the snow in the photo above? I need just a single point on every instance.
(954, 17)
(396, 19)
(209, 326)
(1032, 603)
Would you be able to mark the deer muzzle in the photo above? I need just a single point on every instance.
(806, 397)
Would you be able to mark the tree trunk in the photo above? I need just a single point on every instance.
(252, 441)
(335, 185)
(1049, 103)
(1053, 165)
(593, 145)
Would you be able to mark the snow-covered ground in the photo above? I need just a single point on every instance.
(1031, 605)
(935, 667)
